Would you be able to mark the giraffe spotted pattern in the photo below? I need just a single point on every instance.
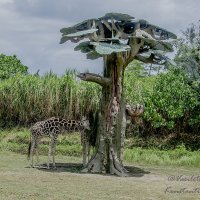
(52, 128)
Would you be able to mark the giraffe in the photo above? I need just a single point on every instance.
(135, 111)
(134, 116)
(52, 127)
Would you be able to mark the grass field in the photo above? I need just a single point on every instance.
(153, 173)
(16, 140)
(18, 181)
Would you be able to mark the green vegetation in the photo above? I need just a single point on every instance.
(176, 157)
(188, 56)
(25, 99)
(137, 83)
(10, 66)
(169, 99)
(16, 140)
(171, 102)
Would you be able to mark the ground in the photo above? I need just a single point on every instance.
(18, 181)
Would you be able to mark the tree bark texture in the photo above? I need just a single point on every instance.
(112, 121)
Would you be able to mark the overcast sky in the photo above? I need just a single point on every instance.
(30, 28)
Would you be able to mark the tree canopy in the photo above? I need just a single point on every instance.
(188, 54)
(116, 32)
(10, 65)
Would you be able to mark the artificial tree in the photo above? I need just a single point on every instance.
(119, 39)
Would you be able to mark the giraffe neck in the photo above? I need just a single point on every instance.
(71, 124)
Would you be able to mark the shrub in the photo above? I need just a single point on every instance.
(172, 101)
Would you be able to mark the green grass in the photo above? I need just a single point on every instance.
(16, 140)
(176, 157)
(18, 181)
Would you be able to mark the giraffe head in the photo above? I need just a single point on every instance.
(85, 123)
(135, 110)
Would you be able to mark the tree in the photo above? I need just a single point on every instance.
(172, 102)
(188, 56)
(10, 66)
(119, 39)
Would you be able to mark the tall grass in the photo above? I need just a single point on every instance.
(25, 99)
(28, 98)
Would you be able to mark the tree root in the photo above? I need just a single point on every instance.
(95, 165)
(116, 166)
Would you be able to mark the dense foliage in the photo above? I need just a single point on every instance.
(172, 101)
(188, 52)
(172, 114)
(25, 99)
(10, 66)
(171, 98)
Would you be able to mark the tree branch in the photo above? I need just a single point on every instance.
(94, 78)
(150, 60)
(135, 44)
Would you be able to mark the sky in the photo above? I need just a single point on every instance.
(30, 29)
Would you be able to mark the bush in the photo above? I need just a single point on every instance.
(10, 66)
(172, 101)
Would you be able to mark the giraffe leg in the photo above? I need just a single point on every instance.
(52, 152)
(37, 152)
(84, 154)
(53, 145)
(49, 156)
(33, 142)
(88, 152)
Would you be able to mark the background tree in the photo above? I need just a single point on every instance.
(171, 102)
(188, 58)
(188, 51)
(119, 39)
(10, 66)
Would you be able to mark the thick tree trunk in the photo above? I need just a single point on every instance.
(112, 121)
